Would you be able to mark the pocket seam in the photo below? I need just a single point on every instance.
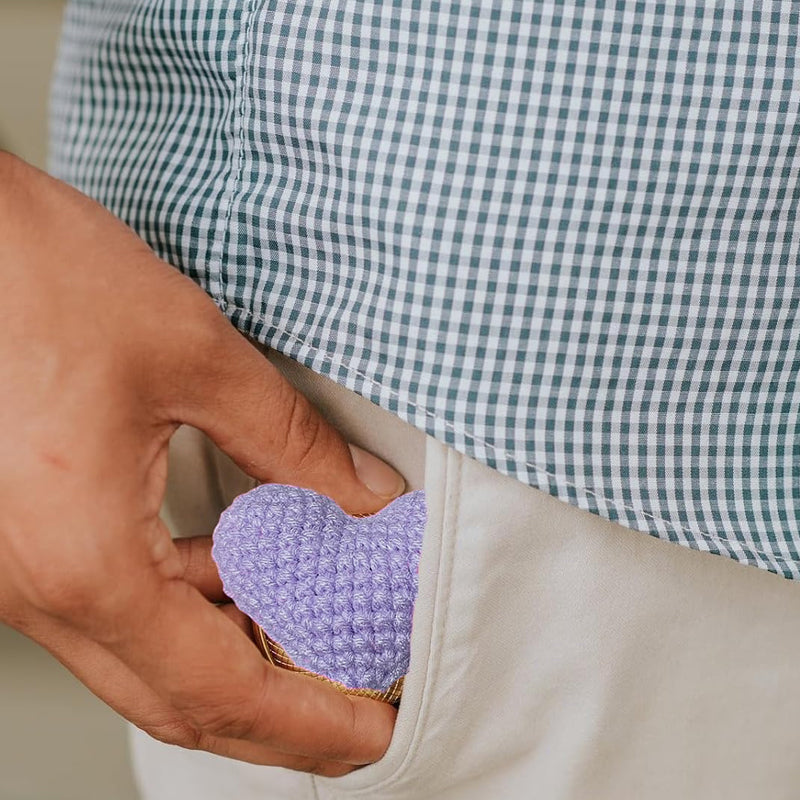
(443, 593)
(450, 475)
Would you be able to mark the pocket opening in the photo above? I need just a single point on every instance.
(441, 464)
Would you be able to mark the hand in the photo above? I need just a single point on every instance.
(105, 351)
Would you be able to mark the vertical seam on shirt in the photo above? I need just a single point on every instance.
(236, 168)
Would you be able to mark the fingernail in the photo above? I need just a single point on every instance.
(377, 475)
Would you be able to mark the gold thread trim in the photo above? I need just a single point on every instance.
(278, 657)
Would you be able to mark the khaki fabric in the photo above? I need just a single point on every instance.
(555, 655)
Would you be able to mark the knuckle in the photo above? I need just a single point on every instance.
(246, 718)
(258, 721)
(303, 432)
(328, 769)
(178, 732)
(190, 556)
(255, 720)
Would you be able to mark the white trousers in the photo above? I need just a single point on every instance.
(554, 655)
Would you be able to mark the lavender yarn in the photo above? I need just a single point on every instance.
(336, 592)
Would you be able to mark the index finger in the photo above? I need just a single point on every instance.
(271, 430)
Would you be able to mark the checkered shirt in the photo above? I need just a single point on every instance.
(558, 235)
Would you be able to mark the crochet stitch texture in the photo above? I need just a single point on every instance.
(336, 592)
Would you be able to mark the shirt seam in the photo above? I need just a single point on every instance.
(236, 165)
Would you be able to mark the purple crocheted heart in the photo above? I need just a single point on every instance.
(336, 592)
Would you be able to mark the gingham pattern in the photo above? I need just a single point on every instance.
(557, 235)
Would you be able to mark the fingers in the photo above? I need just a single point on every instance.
(114, 683)
(238, 618)
(274, 433)
(199, 569)
(208, 682)
(86, 567)
(201, 572)
(207, 669)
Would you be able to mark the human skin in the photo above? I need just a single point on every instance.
(105, 351)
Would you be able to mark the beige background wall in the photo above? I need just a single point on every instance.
(57, 741)
(28, 37)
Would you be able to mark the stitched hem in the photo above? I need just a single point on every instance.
(694, 539)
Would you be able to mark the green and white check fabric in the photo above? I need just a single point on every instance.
(558, 235)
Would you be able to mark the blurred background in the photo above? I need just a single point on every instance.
(28, 41)
(57, 741)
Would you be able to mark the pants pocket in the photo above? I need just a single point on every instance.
(430, 617)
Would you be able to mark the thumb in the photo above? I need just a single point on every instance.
(274, 433)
